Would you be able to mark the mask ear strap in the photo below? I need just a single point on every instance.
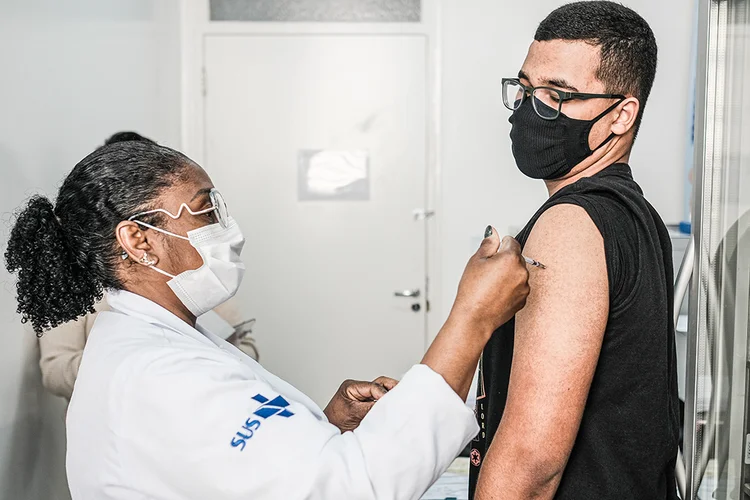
(165, 232)
(161, 272)
(605, 141)
(602, 115)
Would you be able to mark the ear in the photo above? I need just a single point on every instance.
(134, 242)
(627, 114)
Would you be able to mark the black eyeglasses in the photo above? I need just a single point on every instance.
(547, 101)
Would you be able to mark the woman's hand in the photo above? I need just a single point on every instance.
(493, 288)
(353, 401)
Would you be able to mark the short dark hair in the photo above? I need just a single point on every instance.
(65, 255)
(126, 136)
(627, 43)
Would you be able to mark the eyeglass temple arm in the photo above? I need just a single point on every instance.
(585, 96)
(184, 206)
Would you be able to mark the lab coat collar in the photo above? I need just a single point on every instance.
(140, 307)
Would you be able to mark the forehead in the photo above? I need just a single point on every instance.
(574, 62)
(186, 186)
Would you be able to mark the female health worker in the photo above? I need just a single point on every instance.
(163, 410)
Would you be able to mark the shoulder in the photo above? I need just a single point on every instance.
(137, 353)
(114, 329)
(186, 365)
(169, 381)
(563, 233)
(569, 244)
(614, 202)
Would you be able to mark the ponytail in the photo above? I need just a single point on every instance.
(52, 288)
(66, 255)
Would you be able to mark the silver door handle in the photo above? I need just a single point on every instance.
(408, 293)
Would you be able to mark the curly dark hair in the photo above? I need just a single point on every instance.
(66, 255)
(627, 44)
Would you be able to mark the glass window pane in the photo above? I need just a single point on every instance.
(717, 429)
(326, 11)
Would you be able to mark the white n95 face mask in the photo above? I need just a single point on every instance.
(218, 279)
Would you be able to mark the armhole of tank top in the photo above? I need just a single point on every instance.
(611, 253)
(621, 293)
(627, 294)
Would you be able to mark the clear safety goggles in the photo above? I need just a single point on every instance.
(218, 207)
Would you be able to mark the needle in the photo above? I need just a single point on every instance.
(531, 262)
(534, 263)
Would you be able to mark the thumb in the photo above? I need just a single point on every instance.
(366, 391)
(490, 243)
(386, 382)
(509, 244)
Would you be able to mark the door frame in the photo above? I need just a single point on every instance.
(196, 27)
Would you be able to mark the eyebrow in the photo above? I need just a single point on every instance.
(560, 83)
(201, 192)
(553, 82)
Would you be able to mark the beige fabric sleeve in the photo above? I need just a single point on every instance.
(230, 312)
(61, 349)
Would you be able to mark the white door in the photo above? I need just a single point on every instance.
(319, 144)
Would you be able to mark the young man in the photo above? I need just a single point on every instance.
(578, 394)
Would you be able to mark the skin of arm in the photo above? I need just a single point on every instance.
(558, 337)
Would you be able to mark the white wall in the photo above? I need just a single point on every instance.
(73, 73)
(487, 41)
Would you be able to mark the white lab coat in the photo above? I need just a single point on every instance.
(163, 411)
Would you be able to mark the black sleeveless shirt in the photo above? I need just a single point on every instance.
(627, 442)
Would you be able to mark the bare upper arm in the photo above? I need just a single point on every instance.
(558, 337)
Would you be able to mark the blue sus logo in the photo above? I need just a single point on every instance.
(268, 408)
(277, 406)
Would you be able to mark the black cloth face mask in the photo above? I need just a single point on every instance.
(549, 149)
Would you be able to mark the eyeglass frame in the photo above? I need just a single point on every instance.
(564, 96)
(216, 201)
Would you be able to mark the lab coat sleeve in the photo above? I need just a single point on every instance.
(211, 433)
(407, 440)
